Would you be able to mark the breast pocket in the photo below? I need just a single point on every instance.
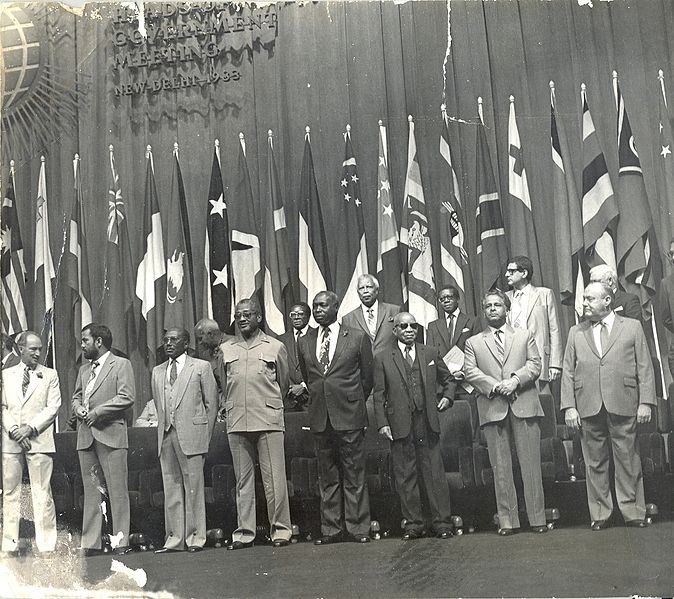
(232, 365)
(267, 366)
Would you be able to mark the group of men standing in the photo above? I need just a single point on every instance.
(606, 389)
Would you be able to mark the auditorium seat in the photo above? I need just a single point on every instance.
(223, 484)
(62, 492)
(134, 490)
(456, 441)
(379, 472)
(652, 451)
(548, 422)
(151, 488)
(304, 477)
(554, 464)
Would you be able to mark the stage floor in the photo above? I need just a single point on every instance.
(566, 562)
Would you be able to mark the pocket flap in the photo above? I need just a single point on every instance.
(630, 381)
(274, 402)
(578, 384)
(199, 420)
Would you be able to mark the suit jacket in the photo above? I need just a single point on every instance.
(341, 391)
(627, 304)
(438, 334)
(196, 399)
(12, 360)
(288, 339)
(483, 369)
(665, 302)
(621, 379)
(392, 395)
(384, 331)
(255, 381)
(114, 391)
(37, 408)
(542, 321)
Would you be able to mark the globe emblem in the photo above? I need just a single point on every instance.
(20, 47)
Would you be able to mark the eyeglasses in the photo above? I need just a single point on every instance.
(510, 271)
(244, 315)
(406, 325)
(296, 314)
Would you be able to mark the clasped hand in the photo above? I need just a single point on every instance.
(506, 386)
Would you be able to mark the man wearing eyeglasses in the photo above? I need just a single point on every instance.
(406, 404)
(297, 396)
(535, 309)
(254, 378)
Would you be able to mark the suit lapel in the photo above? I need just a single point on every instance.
(182, 380)
(161, 383)
(342, 340)
(32, 385)
(361, 320)
(615, 332)
(590, 339)
(490, 342)
(380, 318)
(461, 322)
(312, 340)
(398, 361)
(423, 365)
(444, 331)
(105, 371)
(507, 341)
(534, 298)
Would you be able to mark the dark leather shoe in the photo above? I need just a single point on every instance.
(506, 532)
(539, 529)
(234, 545)
(635, 523)
(599, 525)
(328, 539)
(444, 534)
(361, 539)
(194, 549)
(166, 550)
(122, 550)
(410, 535)
(281, 543)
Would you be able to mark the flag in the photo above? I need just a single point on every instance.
(456, 269)
(414, 234)
(116, 308)
(277, 290)
(522, 233)
(151, 274)
(12, 268)
(390, 272)
(633, 244)
(76, 264)
(314, 265)
(180, 308)
(600, 210)
(218, 282)
(568, 223)
(246, 259)
(351, 260)
(43, 271)
(665, 149)
(491, 242)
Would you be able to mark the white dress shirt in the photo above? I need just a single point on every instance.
(520, 307)
(609, 319)
(180, 364)
(334, 333)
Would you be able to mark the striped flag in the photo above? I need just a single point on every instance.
(180, 308)
(600, 209)
(277, 289)
(568, 223)
(43, 270)
(456, 269)
(390, 272)
(314, 263)
(351, 260)
(151, 274)
(246, 258)
(218, 282)
(76, 263)
(117, 305)
(414, 234)
(12, 268)
(491, 242)
(633, 244)
(522, 233)
(665, 150)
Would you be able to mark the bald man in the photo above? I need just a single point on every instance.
(624, 304)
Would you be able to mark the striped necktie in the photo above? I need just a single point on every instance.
(26, 379)
(499, 344)
(324, 355)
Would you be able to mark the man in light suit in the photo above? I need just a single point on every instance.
(607, 389)
(406, 405)
(104, 389)
(187, 405)
(624, 304)
(373, 317)
(503, 363)
(298, 396)
(535, 309)
(30, 403)
(336, 363)
(254, 377)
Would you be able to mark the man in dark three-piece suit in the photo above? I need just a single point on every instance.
(336, 364)
(453, 327)
(503, 363)
(607, 389)
(186, 397)
(104, 389)
(297, 397)
(407, 377)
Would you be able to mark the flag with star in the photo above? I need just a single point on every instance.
(665, 149)
(633, 243)
(151, 274)
(414, 234)
(12, 268)
(76, 265)
(522, 233)
(116, 309)
(390, 272)
(351, 260)
(44, 275)
(218, 285)
(456, 269)
(599, 206)
(277, 290)
(180, 306)
(314, 261)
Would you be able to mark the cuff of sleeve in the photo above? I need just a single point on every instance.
(514, 376)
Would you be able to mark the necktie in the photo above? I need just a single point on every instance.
(603, 337)
(518, 310)
(26, 379)
(90, 384)
(370, 321)
(499, 343)
(450, 326)
(324, 355)
(173, 374)
(408, 356)
(296, 344)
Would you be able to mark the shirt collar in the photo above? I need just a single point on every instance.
(374, 307)
(180, 360)
(524, 291)
(494, 329)
(454, 314)
(101, 359)
(334, 328)
(402, 347)
(609, 319)
(302, 332)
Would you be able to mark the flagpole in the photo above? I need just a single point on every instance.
(661, 78)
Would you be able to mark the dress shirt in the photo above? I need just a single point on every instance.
(375, 311)
(502, 338)
(301, 333)
(101, 360)
(520, 306)
(609, 319)
(334, 334)
(180, 363)
(413, 351)
(451, 322)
